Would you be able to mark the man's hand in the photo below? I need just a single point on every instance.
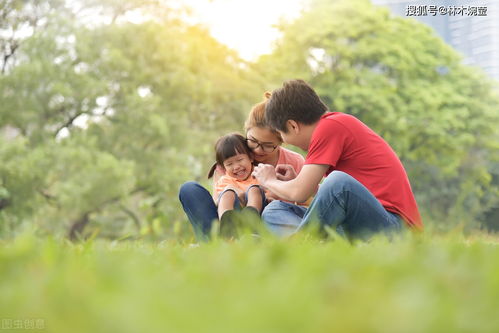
(264, 173)
(285, 172)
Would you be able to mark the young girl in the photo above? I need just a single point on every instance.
(237, 187)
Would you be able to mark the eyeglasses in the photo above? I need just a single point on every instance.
(266, 147)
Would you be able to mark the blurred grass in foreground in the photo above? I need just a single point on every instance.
(428, 284)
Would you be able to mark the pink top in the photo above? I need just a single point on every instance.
(286, 156)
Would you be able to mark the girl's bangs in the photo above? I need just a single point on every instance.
(230, 147)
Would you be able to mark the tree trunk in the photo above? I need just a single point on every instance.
(77, 228)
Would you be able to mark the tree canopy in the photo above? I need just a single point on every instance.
(105, 120)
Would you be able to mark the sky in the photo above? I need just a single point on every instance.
(244, 25)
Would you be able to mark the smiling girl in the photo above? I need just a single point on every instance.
(236, 188)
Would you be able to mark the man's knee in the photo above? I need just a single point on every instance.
(270, 211)
(337, 180)
(278, 209)
(272, 207)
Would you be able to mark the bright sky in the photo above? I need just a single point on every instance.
(244, 25)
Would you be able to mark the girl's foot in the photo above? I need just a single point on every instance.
(228, 224)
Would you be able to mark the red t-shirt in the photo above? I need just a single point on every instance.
(346, 144)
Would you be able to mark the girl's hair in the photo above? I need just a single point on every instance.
(256, 118)
(227, 146)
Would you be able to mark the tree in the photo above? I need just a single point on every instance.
(114, 117)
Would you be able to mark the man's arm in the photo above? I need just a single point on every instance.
(299, 189)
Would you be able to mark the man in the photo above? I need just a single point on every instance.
(366, 189)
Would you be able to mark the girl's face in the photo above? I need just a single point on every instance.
(238, 166)
(263, 143)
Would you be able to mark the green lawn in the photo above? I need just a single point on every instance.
(427, 284)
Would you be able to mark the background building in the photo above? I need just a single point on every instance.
(471, 27)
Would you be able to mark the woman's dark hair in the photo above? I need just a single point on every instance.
(227, 146)
(295, 100)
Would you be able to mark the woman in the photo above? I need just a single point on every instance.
(282, 218)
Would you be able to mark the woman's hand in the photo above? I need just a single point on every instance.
(285, 172)
(264, 173)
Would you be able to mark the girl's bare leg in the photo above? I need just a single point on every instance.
(255, 198)
(226, 202)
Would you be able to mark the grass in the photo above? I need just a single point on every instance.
(427, 284)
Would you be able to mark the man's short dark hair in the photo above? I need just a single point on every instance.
(295, 100)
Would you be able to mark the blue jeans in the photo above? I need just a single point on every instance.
(283, 218)
(347, 206)
(199, 207)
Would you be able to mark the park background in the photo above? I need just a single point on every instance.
(108, 106)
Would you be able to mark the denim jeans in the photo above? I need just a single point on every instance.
(342, 203)
(347, 206)
(199, 207)
(283, 218)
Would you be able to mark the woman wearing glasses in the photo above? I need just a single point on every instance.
(282, 218)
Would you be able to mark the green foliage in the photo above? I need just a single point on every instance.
(404, 82)
(114, 117)
(442, 284)
(22, 177)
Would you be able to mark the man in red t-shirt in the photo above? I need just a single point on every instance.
(366, 189)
